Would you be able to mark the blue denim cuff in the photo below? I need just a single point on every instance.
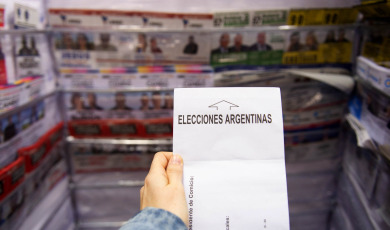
(155, 219)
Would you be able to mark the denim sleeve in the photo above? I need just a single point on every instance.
(154, 219)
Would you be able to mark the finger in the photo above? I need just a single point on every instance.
(175, 170)
(160, 162)
(141, 193)
(157, 173)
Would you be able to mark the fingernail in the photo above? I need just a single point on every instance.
(175, 160)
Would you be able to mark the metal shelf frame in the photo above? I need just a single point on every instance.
(135, 29)
(140, 90)
(27, 104)
(167, 141)
(119, 141)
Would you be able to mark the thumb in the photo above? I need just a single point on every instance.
(175, 169)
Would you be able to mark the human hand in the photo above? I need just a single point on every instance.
(164, 187)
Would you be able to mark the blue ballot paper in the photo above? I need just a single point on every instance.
(231, 140)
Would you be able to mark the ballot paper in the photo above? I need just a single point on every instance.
(231, 141)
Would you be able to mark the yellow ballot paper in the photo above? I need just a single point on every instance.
(231, 140)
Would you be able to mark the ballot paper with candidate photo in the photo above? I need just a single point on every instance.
(231, 140)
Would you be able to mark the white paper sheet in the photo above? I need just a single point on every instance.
(234, 172)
